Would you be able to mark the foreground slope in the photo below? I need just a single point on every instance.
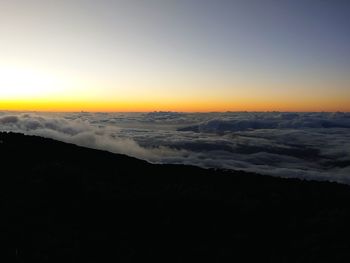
(64, 203)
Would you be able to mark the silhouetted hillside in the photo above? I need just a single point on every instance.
(64, 203)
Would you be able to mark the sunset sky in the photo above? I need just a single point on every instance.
(180, 55)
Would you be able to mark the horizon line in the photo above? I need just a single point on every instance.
(174, 111)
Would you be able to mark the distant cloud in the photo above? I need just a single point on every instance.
(302, 145)
(8, 120)
(256, 121)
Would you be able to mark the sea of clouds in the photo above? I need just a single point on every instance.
(301, 145)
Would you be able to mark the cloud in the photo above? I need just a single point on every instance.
(8, 120)
(301, 145)
(76, 131)
(256, 121)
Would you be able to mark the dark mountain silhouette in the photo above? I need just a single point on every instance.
(64, 203)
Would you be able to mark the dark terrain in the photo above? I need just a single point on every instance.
(64, 203)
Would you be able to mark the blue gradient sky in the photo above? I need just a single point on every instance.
(175, 55)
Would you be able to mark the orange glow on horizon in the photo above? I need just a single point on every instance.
(28, 88)
(168, 105)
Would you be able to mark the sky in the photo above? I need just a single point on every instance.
(183, 55)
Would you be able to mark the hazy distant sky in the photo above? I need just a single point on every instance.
(187, 55)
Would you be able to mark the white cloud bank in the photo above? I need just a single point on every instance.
(301, 145)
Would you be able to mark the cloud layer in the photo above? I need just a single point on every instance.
(301, 145)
